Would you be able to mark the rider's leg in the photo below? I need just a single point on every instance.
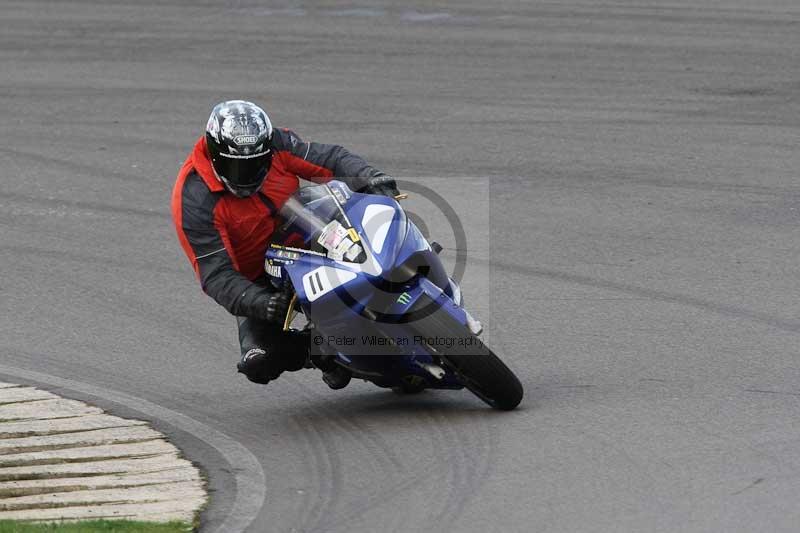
(267, 350)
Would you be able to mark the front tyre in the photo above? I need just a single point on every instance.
(478, 368)
(486, 376)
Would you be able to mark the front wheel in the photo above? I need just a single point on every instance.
(486, 376)
(478, 368)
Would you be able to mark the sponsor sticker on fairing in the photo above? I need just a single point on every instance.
(335, 239)
(272, 270)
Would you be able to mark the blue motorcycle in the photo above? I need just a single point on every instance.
(377, 298)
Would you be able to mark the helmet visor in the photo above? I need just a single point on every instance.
(243, 174)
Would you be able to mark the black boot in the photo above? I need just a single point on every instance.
(337, 378)
(255, 364)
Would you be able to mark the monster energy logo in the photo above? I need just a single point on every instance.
(404, 298)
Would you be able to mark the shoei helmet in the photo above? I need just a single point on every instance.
(239, 139)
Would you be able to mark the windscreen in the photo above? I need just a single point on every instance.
(317, 215)
(310, 209)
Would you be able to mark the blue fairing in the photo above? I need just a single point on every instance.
(353, 299)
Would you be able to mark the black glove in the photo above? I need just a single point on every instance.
(384, 185)
(275, 307)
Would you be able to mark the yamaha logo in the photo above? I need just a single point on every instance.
(245, 139)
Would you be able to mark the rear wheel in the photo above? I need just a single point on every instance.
(481, 371)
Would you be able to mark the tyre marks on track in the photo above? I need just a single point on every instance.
(454, 461)
(323, 432)
(467, 451)
(726, 310)
(325, 474)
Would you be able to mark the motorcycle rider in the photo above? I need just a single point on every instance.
(224, 203)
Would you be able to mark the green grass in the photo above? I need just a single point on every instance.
(95, 526)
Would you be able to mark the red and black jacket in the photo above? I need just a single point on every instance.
(225, 237)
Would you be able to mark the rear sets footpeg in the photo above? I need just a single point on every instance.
(434, 370)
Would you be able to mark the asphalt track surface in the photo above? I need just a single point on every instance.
(639, 265)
